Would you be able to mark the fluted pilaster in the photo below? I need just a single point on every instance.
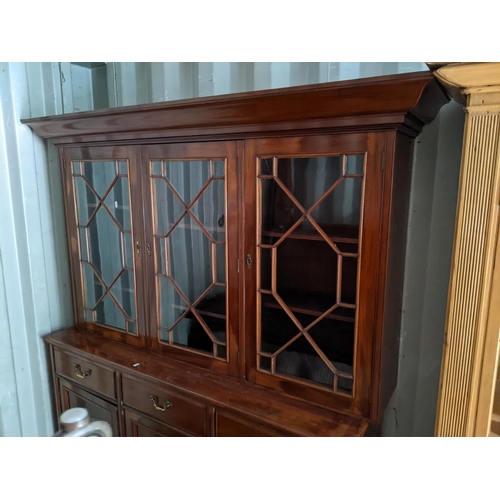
(476, 235)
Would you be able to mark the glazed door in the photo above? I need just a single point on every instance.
(313, 212)
(105, 233)
(192, 241)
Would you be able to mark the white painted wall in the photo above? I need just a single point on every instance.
(34, 275)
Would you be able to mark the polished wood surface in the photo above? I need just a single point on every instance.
(212, 389)
(89, 375)
(165, 405)
(394, 216)
(409, 101)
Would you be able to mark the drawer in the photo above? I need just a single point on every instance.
(229, 425)
(139, 426)
(167, 406)
(85, 374)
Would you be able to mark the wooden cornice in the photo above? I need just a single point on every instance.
(462, 80)
(401, 101)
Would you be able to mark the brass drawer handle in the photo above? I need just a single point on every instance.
(166, 405)
(80, 374)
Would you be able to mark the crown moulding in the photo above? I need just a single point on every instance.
(406, 102)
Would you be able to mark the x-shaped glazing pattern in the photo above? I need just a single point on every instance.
(105, 281)
(187, 220)
(333, 242)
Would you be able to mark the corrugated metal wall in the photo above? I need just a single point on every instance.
(33, 262)
(139, 83)
(34, 276)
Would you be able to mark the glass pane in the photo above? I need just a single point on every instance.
(156, 168)
(277, 326)
(76, 167)
(160, 256)
(86, 201)
(221, 352)
(122, 168)
(168, 208)
(219, 168)
(264, 363)
(100, 175)
(305, 365)
(188, 177)
(123, 292)
(212, 309)
(129, 250)
(109, 314)
(306, 273)
(355, 164)
(209, 210)
(345, 385)
(103, 206)
(214, 301)
(297, 173)
(335, 339)
(83, 243)
(265, 268)
(105, 246)
(349, 281)
(190, 263)
(266, 166)
(118, 203)
(216, 325)
(341, 207)
(278, 210)
(220, 263)
(189, 332)
(172, 307)
(92, 286)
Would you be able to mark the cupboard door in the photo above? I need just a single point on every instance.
(103, 200)
(310, 248)
(192, 233)
(73, 396)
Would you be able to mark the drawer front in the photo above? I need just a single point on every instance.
(139, 426)
(85, 374)
(164, 405)
(229, 425)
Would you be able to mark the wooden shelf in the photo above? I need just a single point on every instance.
(196, 227)
(199, 311)
(312, 305)
(337, 233)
